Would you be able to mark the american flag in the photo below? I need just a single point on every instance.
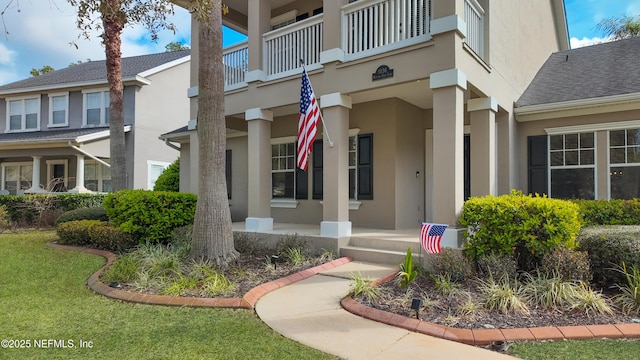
(308, 122)
(431, 236)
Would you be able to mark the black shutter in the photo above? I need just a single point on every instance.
(467, 167)
(365, 167)
(537, 164)
(227, 169)
(317, 170)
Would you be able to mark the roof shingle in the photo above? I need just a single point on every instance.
(595, 71)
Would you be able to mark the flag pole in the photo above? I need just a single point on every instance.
(324, 126)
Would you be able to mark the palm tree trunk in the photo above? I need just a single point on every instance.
(212, 232)
(111, 39)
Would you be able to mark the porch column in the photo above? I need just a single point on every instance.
(448, 144)
(332, 31)
(483, 145)
(335, 203)
(79, 176)
(35, 179)
(259, 172)
(259, 22)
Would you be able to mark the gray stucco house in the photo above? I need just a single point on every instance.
(54, 128)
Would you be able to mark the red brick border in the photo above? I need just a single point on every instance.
(248, 301)
(488, 336)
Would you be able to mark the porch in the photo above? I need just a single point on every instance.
(364, 244)
(367, 28)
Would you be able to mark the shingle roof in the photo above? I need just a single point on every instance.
(595, 71)
(53, 135)
(95, 71)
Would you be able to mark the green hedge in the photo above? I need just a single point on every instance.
(608, 247)
(609, 212)
(525, 227)
(94, 233)
(150, 215)
(94, 213)
(43, 209)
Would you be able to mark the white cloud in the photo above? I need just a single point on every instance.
(577, 43)
(6, 55)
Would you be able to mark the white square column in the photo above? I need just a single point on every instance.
(259, 171)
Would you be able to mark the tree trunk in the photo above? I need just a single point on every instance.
(212, 232)
(111, 39)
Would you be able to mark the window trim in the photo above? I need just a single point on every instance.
(284, 203)
(103, 120)
(632, 125)
(3, 167)
(151, 163)
(23, 119)
(66, 109)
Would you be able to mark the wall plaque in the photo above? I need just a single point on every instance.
(382, 72)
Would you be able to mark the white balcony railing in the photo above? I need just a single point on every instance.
(474, 17)
(368, 25)
(286, 47)
(236, 63)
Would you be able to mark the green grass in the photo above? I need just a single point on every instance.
(43, 295)
(577, 350)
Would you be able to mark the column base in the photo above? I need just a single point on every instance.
(453, 238)
(258, 224)
(80, 190)
(335, 229)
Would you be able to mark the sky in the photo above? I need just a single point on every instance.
(36, 33)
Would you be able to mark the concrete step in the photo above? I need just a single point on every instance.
(399, 245)
(376, 256)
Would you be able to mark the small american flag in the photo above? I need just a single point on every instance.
(431, 236)
(308, 122)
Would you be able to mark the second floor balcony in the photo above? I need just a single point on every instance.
(368, 27)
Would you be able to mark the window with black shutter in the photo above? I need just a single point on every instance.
(537, 164)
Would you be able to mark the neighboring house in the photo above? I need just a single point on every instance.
(54, 128)
(418, 99)
(579, 124)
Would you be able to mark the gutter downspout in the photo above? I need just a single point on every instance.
(169, 144)
(89, 155)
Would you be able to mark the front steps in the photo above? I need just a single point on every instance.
(381, 251)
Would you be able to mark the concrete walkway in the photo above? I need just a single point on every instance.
(309, 312)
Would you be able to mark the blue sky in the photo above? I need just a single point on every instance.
(40, 33)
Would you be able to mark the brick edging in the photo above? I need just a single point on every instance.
(248, 301)
(488, 336)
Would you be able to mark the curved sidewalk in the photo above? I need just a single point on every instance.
(309, 311)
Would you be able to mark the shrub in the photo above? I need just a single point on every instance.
(5, 221)
(547, 290)
(609, 212)
(43, 209)
(608, 247)
(451, 263)
(150, 215)
(503, 295)
(169, 180)
(76, 232)
(407, 270)
(526, 227)
(567, 264)
(94, 213)
(588, 301)
(629, 297)
(108, 237)
(497, 266)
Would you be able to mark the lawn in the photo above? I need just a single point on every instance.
(45, 304)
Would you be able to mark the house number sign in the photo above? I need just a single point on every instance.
(382, 72)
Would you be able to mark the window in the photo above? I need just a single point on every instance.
(155, 168)
(16, 176)
(624, 160)
(97, 177)
(283, 170)
(58, 110)
(96, 109)
(360, 168)
(572, 165)
(287, 181)
(23, 114)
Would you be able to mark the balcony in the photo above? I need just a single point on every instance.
(369, 27)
